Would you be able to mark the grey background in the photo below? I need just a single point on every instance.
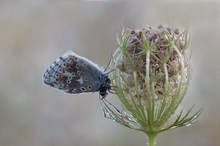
(34, 33)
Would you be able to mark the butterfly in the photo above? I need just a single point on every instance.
(74, 74)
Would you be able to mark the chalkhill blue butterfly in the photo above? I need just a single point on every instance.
(75, 74)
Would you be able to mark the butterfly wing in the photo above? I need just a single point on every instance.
(73, 74)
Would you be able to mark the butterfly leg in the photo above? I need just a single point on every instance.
(102, 106)
(111, 90)
(106, 108)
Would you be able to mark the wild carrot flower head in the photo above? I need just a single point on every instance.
(151, 76)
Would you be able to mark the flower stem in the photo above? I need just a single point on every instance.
(152, 137)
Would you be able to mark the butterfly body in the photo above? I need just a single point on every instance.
(75, 74)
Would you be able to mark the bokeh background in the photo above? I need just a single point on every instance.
(34, 33)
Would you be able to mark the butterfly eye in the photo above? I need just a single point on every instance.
(69, 60)
(60, 70)
(68, 81)
(64, 65)
(77, 65)
(57, 75)
(83, 89)
(89, 87)
(70, 78)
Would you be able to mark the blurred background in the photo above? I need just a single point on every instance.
(34, 33)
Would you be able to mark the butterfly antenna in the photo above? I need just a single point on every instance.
(108, 63)
(110, 71)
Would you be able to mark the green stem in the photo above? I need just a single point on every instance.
(152, 137)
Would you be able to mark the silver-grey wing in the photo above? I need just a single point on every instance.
(73, 74)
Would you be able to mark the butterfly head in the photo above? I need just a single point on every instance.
(105, 86)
